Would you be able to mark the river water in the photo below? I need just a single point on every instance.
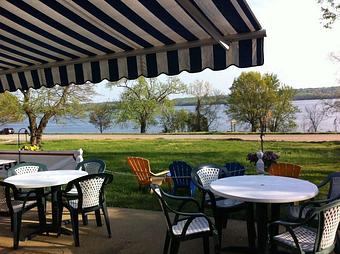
(329, 123)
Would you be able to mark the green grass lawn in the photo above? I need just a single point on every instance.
(317, 160)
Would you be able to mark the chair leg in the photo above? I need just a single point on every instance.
(221, 220)
(44, 200)
(60, 218)
(251, 226)
(16, 229)
(166, 243)
(42, 215)
(206, 244)
(85, 219)
(75, 227)
(174, 246)
(12, 223)
(107, 219)
(98, 218)
(216, 243)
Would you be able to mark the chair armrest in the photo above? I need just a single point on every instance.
(323, 183)
(285, 223)
(178, 197)
(68, 196)
(162, 173)
(185, 200)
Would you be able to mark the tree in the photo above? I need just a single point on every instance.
(282, 116)
(10, 110)
(173, 120)
(142, 99)
(330, 10)
(206, 105)
(261, 101)
(251, 98)
(101, 116)
(42, 105)
(197, 124)
(315, 114)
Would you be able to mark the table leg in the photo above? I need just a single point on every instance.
(41, 208)
(55, 226)
(262, 219)
(251, 226)
(55, 197)
(275, 215)
(41, 213)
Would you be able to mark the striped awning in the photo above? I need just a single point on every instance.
(49, 42)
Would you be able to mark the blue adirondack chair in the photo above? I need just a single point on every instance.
(180, 173)
(235, 169)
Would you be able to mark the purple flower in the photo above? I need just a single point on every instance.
(252, 157)
(268, 158)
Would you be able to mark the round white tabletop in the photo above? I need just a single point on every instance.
(44, 179)
(264, 189)
(6, 162)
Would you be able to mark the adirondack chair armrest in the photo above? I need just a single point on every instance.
(162, 173)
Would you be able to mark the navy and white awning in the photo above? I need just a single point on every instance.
(49, 42)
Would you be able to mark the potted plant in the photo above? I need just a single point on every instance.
(268, 158)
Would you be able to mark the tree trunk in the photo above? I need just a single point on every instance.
(143, 127)
(33, 137)
(198, 115)
(39, 138)
(253, 127)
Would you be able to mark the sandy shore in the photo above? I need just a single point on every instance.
(269, 137)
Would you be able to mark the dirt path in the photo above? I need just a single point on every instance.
(286, 137)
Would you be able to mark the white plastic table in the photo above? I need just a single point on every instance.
(43, 179)
(263, 190)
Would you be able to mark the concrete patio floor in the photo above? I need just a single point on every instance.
(133, 232)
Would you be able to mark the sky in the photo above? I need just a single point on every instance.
(297, 49)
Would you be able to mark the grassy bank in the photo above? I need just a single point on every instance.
(316, 159)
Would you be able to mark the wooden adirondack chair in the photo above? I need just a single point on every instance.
(284, 169)
(141, 168)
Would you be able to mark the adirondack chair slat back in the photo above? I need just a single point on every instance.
(284, 169)
(141, 168)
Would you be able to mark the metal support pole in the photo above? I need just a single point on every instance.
(19, 132)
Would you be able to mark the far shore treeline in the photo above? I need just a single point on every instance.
(319, 93)
(300, 94)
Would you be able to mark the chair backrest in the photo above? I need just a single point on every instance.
(181, 173)
(26, 168)
(92, 166)
(235, 169)
(165, 207)
(329, 218)
(141, 168)
(203, 175)
(90, 189)
(284, 169)
(333, 180)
